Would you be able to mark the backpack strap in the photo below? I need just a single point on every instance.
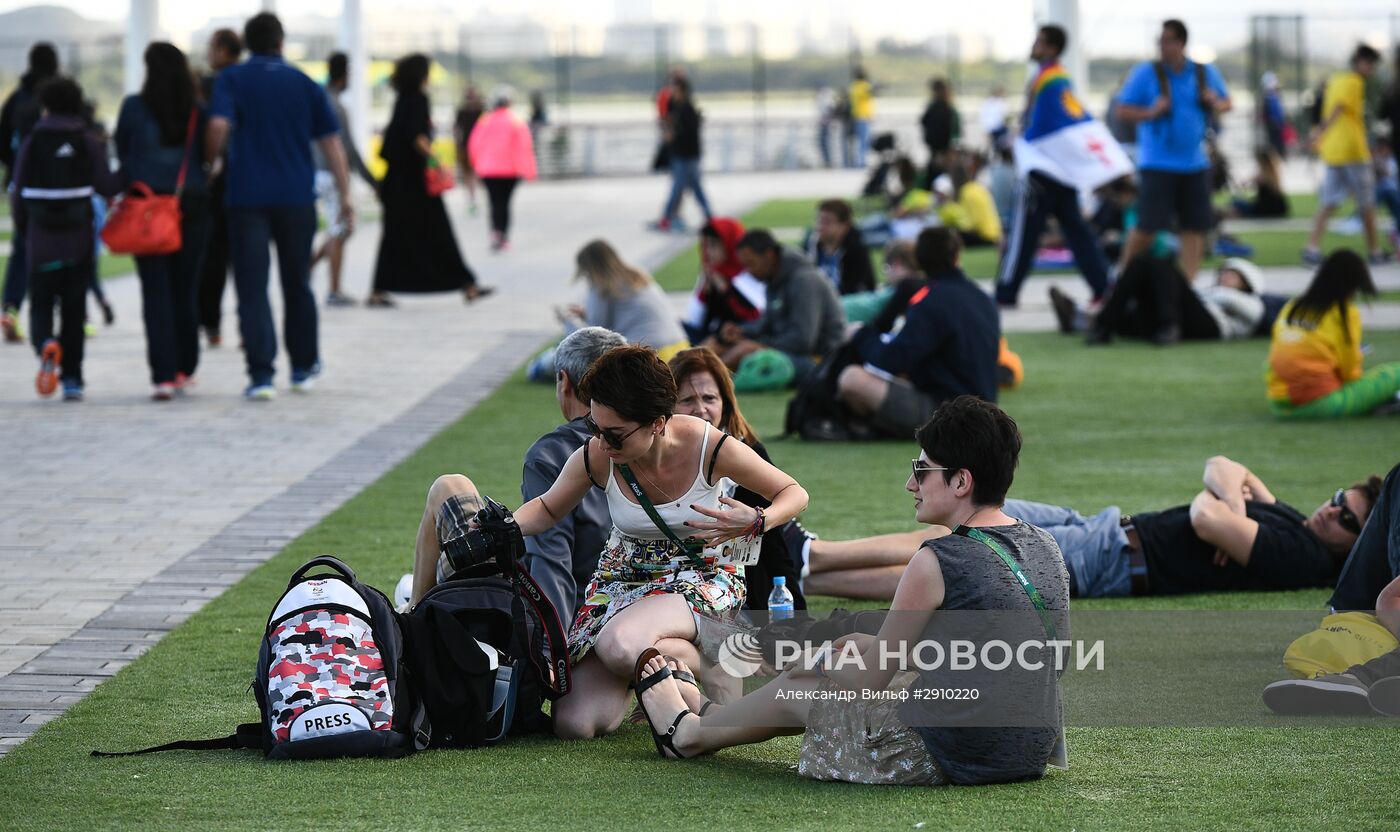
(247, 735)
(189, 142)
(1163, 84)
(714, 457)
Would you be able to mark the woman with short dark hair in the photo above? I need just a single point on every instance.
(155, 146)
(418, 251)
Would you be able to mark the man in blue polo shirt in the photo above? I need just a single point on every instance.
(1173, 102)
(270, 113)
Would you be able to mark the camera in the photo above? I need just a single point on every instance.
(496, 540)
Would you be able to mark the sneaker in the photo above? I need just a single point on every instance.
(1167, 335)
(662, 225)
(163, 392)
(1380, 258)
(1384, 696)
(304, 380)
(183, 383)
(46, 382)
(1312, 257)
(109, 315)
(9, 322)
(89, 329)
(260, 393)
(72, 391)
(339, 299)
(1065, 310)
(799, 548)
(1334, 693)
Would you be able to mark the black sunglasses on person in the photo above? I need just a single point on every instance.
(1346, 518)
(614, 441)
(920, 470)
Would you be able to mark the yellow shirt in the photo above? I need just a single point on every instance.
(862, 101)
(1344, 143)
(974, 211)
(1309, 361)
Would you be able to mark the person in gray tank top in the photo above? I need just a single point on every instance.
(1000, 577)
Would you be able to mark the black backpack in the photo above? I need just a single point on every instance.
(58, 191)
(486, 646)
(331, 678)
(814, 412)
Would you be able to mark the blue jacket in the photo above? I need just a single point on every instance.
(145, 158)
(949, 342)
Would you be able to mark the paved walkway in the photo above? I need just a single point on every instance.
(120, 517)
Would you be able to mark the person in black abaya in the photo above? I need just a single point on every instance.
(418, 251)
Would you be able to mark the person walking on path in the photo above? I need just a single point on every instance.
(502, 154)
(467, 116)
(418, 251)
(1341, 144)
(59, 168)
(683, 138)
(270, 112)
(17, 118)
(1174, 102)
(942, 128)
(332, 250)
(225, 47)
(157, 138)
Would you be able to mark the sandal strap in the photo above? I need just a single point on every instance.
(668, 739)
(685, 676)
(648, 682)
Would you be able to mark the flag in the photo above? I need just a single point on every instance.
(1064, 142)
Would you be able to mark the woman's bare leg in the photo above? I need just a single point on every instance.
(720, 687)
(426, 548)
(595, 706)
(869, 584)
(643, 624)
(760, 716)
(881, 550)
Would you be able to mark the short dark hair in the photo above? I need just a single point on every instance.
(410, 73)
(61, 96)
(229, 41)
(902, 252)
(838, 208)
(634, 381)
(1176, 27)
(43, 60)
(1056, 36)
(337, 67)
(1365, 53)
(759, 241)
(682, 83)
(937, 249)
(263, 33)
(967, 432)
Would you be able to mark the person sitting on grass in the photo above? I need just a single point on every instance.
(654, 575)
(1373, 686)
(885, 306)
(973, 212)
(1269, 202)
(838, 249)
(1315, 358)
(968, 455)
(625, 299)
(947, 347)
(1234, 536)
(802, 316)
(562, 558)
(724, 292)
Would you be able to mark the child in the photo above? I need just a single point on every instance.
(59, 168)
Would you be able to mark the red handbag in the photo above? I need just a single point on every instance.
(146, 223)
(438, 179)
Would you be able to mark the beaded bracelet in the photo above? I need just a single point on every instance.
(756, 528)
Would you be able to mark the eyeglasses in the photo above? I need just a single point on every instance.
(1346, 518)
(921, 470)
(613, 440)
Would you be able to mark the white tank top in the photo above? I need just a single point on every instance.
(632, 520)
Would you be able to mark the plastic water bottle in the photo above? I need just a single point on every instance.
(779, 600)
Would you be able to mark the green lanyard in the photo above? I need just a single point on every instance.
(688, 547)
(1020, 575)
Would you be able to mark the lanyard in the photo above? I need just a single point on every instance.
(1016, 571)
(687, 547)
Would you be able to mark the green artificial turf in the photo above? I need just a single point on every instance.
(1129, 425)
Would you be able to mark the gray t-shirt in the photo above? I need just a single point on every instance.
(983, 601)
(642, 318)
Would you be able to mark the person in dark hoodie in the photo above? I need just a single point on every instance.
(58, 169)
(724, 292)
(17, 118)
(947, 347)
(839, 250)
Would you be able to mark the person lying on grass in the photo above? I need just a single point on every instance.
(968, 455)
(1234, 536)
(648, 588)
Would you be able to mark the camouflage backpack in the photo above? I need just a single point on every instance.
(330, 676)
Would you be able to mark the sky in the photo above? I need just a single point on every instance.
(1109, 27)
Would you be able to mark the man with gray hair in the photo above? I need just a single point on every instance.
(561, 559)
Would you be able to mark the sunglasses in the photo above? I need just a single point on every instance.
(614, 441)
(921, 470)
(1346, 518)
